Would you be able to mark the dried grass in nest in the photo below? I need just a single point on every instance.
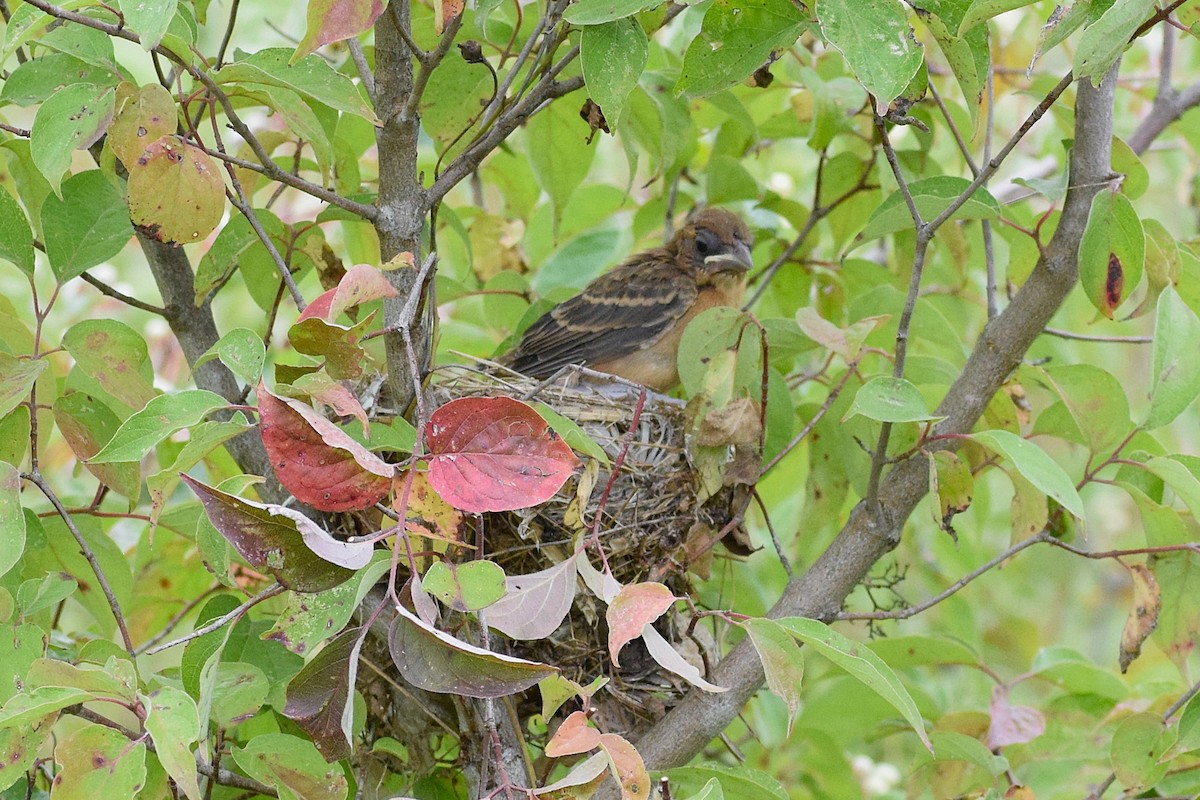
(653, 526)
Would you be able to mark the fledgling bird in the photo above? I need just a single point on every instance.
(629, 322)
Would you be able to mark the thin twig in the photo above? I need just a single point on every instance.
(105, 289)
(221, 621)
(1085, 337)
(364, 69)
(85, 549)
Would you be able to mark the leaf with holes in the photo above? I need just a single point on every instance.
(316, 461)
(437, 662)
(175, 191)
(281, 542)
(495, 454)
(143, 115)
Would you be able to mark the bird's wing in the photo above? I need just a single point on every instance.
(624, 311)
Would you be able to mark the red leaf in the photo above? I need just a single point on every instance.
(362, 283)
(318, 308)
(634, 608)
(495, 454)
(318, 695)
(574, 736)
(316, 461)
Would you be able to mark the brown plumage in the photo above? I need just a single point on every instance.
(629, 322)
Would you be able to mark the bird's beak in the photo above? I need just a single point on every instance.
(737, 260)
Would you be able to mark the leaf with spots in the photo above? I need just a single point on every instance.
(176, 193)
(626, 765)
(292, 765)
(307, 620)
(96, 761)
(495, 454)
(281, 542)
(17, 377)
(337, 344)
(69, 120)
(143, 115)
(1112, 252)
(316, 461)
(115, 356)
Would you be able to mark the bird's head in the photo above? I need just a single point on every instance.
(715, 241)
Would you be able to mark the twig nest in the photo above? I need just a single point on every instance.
(656, 522)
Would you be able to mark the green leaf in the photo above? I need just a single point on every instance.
(173, 725)
(862, 663)
(916, 651)
(293, 766)
(1137, 750)
(40, 78)
(1105, 39)
(242, 350)
(34, 595)
(597, 12)
(1176, 371)
(320, 698)
(951, 746)
(613, 55)
(954, 486)
(86, 225)
(27, 707)
(95, 761)
(782, 661)
(735, 39)
(17, 376)
(876, 41)
(308, 619)
(456, 93)
(570, 432)
(888, 399)
(311, 77)
(932, 196)
(470, 586)
(983, 10)
(161, 417)
(1096, 401)
(16, 237)
(150, 19)
(115, 356)
(740, 782)
(1037, 467)
(967, 53)
(69, 120)
(1112, 252)
(559, 153)
(12, 518)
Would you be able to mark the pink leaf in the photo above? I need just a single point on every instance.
(495, 454)
(627, 767)
(535, 604)
(1012, 724)
(574, 736)
(316, 461)
(334, 20)
(634, 608)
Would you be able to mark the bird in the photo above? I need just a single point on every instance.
(629, 321)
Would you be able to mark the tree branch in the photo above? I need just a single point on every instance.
(866, 537)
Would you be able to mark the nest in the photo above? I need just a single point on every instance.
(655, 524)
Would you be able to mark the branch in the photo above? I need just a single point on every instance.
(866, 537)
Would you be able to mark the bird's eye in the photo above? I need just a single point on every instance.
(703, 244)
